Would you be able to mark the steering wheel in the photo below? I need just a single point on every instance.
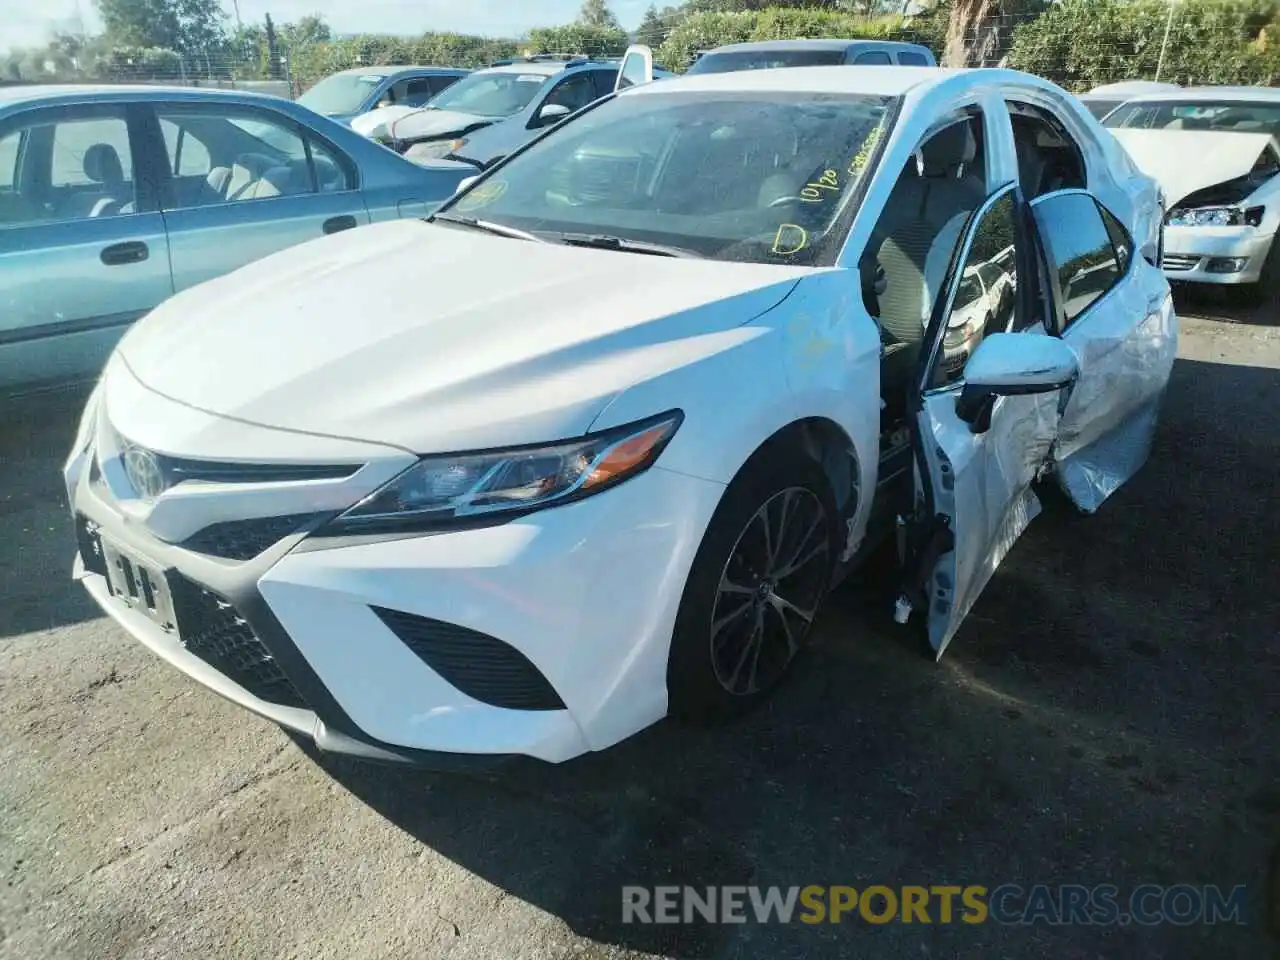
(783, 201)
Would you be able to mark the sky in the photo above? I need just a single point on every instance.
(27, 22)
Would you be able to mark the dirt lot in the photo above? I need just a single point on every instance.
(1108, 714)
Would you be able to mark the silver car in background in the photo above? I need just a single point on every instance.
(112, 198)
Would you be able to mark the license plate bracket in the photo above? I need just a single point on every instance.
(138, 584)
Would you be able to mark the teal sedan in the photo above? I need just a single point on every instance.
(113, 198)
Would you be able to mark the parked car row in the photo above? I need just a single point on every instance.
(591, 443)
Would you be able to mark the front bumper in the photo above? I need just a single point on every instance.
(585, 594)
(1190, 253)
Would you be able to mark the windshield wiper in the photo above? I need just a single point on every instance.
(601, 242)
(488, 227)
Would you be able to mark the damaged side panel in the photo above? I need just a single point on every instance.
(1109, 420)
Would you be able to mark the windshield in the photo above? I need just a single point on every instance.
(339, 94)
(491, 94)
(1242, 116)
(765, 59)
(1100, 108)
(767, 177)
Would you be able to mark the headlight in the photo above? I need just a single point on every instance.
(440, 491)
(1215, 217)
(434, 150)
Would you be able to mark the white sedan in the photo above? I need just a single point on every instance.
(592, 445)
(1216, 153)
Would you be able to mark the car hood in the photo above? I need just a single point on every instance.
(376, 123)
(433, 124)
(1184, 161)
(433, 338)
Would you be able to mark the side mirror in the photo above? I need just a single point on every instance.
(465, 183)
(1012, 364)
(551, 113)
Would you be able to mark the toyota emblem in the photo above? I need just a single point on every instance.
(144, 473)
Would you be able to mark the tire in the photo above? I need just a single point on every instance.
(732, 588)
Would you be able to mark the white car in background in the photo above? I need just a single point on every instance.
(1215, 153)
(1103, 99)
(533, 515)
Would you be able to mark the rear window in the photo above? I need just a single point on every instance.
(732, 61)
(1243, 116)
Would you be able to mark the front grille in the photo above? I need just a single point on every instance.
(1179, 261)
(214, 631)
(481, 666)
(244, 539)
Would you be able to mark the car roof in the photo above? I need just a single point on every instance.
(389, 70)
(813, 44)
(1211, 95)
(1131, 87)
(62, 92)
(889, 81)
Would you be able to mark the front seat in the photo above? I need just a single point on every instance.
(914, 240)
(102, 166)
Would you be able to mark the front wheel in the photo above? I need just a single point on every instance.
(756, 585)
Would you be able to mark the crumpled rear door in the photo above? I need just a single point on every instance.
(1125, 341)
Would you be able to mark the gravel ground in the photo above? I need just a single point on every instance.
(1108, 714)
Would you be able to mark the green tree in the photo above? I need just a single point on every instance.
(188, 26)
(652, 29)
(596, 13)
(308, 30)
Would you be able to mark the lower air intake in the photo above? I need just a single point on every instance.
(214, 631)
(481, 666)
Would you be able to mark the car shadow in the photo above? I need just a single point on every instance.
(1105, 715)
(1226, 304)
(36, 431)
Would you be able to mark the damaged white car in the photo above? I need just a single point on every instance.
(668, 374)
(1215, 153)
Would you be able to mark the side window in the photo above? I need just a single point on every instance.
(604, 81)
(10, 148)
(1048, 158)
(188, 157)
(1120, 239)
(984, 300)
(877, 57)
(439, 83)
(417, 92)
(909, 58)
(1079, 248)
(73, 169)
(574, 92)
(633, 71)
(246, 155)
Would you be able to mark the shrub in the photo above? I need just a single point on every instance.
(1083, 43)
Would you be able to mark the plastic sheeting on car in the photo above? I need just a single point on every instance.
(1109, 420)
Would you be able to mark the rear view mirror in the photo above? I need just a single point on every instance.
(552, 113)
(1012, 364)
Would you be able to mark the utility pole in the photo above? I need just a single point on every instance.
(1165, 42)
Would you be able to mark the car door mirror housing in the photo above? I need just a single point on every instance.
(1012, 364)
(552, 113)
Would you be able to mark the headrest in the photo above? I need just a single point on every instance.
(102, 164)
(948, 149)
(256, 164)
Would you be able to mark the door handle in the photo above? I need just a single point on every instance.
(335, 224)
(131, 251)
